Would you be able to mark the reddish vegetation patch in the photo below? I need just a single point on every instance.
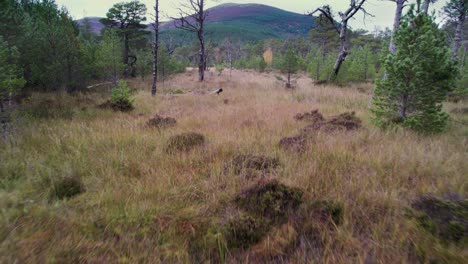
(161, 122)
(312, 116)
(296, 143)
(346, 121)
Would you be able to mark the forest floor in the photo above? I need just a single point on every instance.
(338, 191)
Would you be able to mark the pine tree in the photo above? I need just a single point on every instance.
(289, 64)
(11, 79)
(420, 75)
(108, 57)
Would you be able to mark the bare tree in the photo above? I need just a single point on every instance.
(341, 28)
(155, 48)
(396, 23)
(425, 5)
(456, 11)
(192, 18)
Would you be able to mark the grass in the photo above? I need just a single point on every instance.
(144, 205)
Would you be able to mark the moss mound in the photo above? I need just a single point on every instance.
(295, 144)
(67, 188)
(184, 142)
(244, 162)
(270, 199)
(444, 218)
(244, 231)
(161, 122)
(312, 116)
(346, 121)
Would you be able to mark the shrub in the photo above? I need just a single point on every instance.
(178, 91)
(331, 209)
(219, 68)
(67, 188)
(121, 97)
(161, 122)
(270, 199)
(255, 162)
(244, 231)
(296, 143)
(185, 142)
(345, 121)
(312, 116)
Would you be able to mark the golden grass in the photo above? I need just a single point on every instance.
(144, 205)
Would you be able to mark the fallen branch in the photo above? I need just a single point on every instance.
(99, 84)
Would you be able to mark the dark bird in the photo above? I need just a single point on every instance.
(217, 92)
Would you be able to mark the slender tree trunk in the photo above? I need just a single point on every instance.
(463, 60)
(396, 24)
(126, 53)
(201, 58)
(459, 31)
(343, 50)
(3, 122)
(425, 6)
(155, 49)
(288, 85)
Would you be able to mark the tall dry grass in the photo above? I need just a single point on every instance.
(143, 205)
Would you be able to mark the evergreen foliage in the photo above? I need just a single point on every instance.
(420, 75)
(11, 79)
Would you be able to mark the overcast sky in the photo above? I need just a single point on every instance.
(382, 10)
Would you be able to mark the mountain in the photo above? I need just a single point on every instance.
(246, 22)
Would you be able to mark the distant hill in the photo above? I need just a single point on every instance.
(246, 22)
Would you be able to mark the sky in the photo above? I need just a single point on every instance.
(382, 10)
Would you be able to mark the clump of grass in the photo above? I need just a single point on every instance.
(444, 218)
(178, 91)
(184, 142)
(243, 162)
(270, 199)
(244, 230)
(329, 209)
(67, 187)
(161, 122)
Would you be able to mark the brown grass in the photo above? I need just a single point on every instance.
(143, 205)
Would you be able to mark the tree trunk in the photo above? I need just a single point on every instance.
(126, 50)
(396, 24)
(425, 6)
(343, 50)
(288, 84)
(458, 32)
(155, 49)
(463, 59)
(201, 58)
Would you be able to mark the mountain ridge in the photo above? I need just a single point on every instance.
(247, 22)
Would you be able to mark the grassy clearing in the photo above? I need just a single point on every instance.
(142, 204)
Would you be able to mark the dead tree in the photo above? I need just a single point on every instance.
(155, 48)
(396, 23)
(425, 6)
(456, 12)
(341, 28)
(192, 19)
